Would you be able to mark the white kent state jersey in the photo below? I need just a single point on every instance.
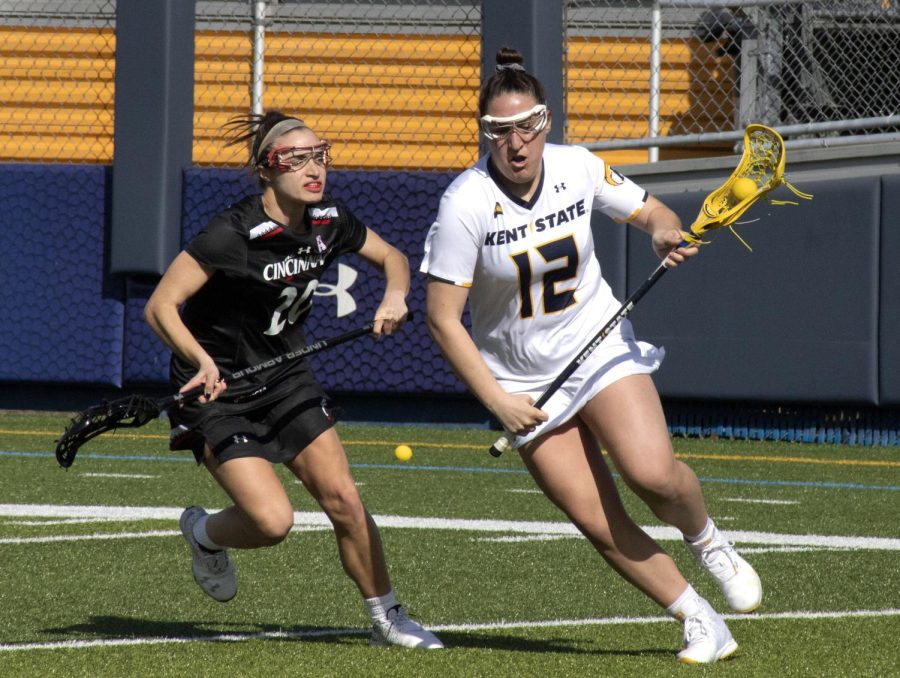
(537, 293)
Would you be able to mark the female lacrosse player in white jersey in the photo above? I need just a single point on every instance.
(513, 239)
(244, 288)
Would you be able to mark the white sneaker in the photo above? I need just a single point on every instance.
(706, 637)
(736, 577)
(398, 629)
(213, 571)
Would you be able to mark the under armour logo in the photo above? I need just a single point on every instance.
(346, 304)
(239, 439)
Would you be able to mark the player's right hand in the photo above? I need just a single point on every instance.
(208, 376)
(517, 414)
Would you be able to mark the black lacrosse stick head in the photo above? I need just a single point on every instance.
(130, 412)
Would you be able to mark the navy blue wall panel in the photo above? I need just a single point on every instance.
(609, 244)
(62, 316)
(399, 206)
(146, 357)
(795, 320)
(889, 366)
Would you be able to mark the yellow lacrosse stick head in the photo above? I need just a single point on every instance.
(760, 171)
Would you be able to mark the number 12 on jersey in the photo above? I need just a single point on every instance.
(553, 299)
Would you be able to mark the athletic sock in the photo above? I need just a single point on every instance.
(705, 534)
(203, 538)
(686, 605)
(378, 607)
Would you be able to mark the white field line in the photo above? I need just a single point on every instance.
(139, 476)
(488, 626)
(781, 502)
(533, 537)
(319, 520)
(121, 535)
(790, 549)
(65, 521)
(88, 537)
(744, 549)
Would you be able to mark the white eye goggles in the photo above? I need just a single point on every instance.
(295, 158)
(527, 124)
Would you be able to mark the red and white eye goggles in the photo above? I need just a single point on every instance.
(527, 124)
(295, 158)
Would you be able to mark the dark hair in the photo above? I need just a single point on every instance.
(511, 76)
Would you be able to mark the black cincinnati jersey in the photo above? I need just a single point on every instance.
(253, 307)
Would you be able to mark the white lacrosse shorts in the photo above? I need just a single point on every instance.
(618, 355)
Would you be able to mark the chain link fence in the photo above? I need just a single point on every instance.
(394, 83)
(57, 80)
(695, 71)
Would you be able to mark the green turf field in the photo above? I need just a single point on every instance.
(96, 579)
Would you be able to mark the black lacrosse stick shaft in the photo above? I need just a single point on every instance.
(504, 441)
(136, 410)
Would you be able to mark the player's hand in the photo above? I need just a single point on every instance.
(667, 245)
(390, 316)
(517, 414)
(207, 376)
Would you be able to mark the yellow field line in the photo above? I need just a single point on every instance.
(467, 446)
(792, 460)
(149, 436)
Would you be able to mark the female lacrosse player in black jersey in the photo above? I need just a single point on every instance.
(513, 240)
(238, 295)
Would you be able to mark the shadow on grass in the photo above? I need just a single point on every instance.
(498, 642)
(114, 629)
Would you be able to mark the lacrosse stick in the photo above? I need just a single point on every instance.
(760, 171)
(762, 163)
(136, 410)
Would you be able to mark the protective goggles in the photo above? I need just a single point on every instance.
(295, 158)
(527, 124)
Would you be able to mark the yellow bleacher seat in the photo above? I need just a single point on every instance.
(385, 101)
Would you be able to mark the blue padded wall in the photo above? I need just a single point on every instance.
(146, 358)
(810, 316)
(795, 320)
(62, 315)
(889, 365)
(399, 206)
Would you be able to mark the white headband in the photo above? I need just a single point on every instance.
(277, 130)
(518, 117)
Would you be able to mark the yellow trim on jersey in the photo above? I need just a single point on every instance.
(449, 282)
(633, 214)
(608, 172)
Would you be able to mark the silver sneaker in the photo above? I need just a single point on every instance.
(213, 571)
(398, 629)
(735, 576)
(706, 637)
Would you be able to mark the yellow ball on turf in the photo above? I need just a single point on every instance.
(403, 452)
(743, 188)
